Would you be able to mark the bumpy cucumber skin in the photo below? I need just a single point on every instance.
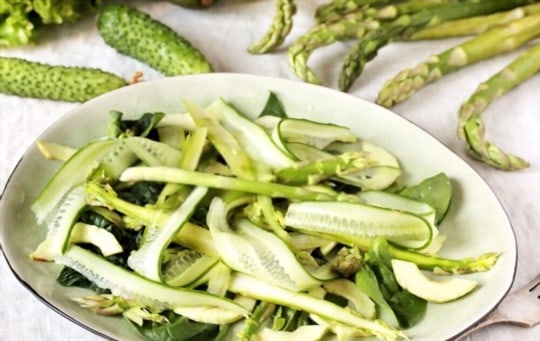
(194, 3)
(25, 78)
(136, 34)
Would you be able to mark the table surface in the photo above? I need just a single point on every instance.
(223, 33)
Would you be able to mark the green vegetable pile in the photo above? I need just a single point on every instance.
(205, 225)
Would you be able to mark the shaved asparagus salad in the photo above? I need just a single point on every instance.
(208, 225)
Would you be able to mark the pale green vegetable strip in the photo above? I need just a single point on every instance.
(147, 259)
(105, 275)
(252, 287)
(167, 174)
(73, 172)
(229, 148)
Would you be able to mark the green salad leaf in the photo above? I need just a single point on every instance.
(20, 19)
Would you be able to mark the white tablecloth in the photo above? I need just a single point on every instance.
(223, 33)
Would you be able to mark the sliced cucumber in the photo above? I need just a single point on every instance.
(147, 259)
(260, 289)
(172, 136)
(131, 286)
(115, 161)
(255, 141)
(183, 121)
(358, 220)
(187, 266)
(382, 172)
(309, 132)
(55, 151)
(60, 224)
(357, 299)
(225, 143)
(409, 277)
(73, 172)
(400, 203)
(97, 236)
(252, 250)
(154, 153)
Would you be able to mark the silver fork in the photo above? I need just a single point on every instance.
(521, 308)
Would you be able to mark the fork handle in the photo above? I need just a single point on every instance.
(492, 318)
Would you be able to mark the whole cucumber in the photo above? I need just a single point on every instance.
(25, 78)
(136, 34)
(193, 3)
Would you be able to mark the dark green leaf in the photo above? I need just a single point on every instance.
(71, 278)
(435, 191)
(143, 126)
(179, 328)
(409, 309)
(273, 107)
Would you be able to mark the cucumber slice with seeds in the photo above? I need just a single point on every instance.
(131, 286)
(73, 172)
(358, 220)
(148, 258)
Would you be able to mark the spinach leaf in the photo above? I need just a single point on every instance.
(273, 107)
(143, 126)
(141, 193)
(71, 278)
(179, 328)
(376, 278)
(435, 191)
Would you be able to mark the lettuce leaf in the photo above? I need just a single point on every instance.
(19, 19)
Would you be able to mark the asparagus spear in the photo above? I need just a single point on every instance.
(470, 126)
(353, 24)
(498, 40)
(322, 35)
(368, 47)
(474, 25)
(280, 28)
(337, 8)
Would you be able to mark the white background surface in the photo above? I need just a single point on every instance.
(223, 34)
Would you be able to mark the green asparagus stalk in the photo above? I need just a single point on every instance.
(434, 263)
(176, 175)
(279, 29)
(493, 42)
(312, 173)
(336, 9)
(369, 46)
(471, 129)
(323, 35)
(342, 27)
(474, 25)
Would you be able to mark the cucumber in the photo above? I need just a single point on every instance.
(131, 286)
(252, 250)
(411, 278)
(55, 151)
(153, 153)
(313, 133)
(136, 34)
(91, 234)
(21, 77)
(73, 172)
(252, 137)
(252, 287)
(148, 258)
(358, 220)
(59, 225)
(187, 266)
(194, 3)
